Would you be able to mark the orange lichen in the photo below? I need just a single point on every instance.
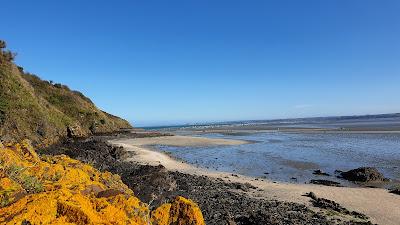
(61, 190)
(180, 212)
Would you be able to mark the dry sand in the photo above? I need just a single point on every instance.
(382, 206)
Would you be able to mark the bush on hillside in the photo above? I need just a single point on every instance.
(2, 44)
(6, 55)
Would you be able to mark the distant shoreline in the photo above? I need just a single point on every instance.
(276, 123)
(299, 130)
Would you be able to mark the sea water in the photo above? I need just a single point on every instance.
(293, 156)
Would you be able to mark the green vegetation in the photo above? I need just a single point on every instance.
(3, 109)
(6, 55)
(30, 183)
(44, 111)
(17, 173)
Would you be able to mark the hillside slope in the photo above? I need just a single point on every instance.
(45, 112)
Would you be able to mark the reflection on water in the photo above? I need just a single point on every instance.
(285, 156)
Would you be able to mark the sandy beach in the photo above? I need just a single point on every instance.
(380, 205)
(180, 141)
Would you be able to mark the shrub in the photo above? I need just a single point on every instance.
(3, 110)
(6, 55)
(84, 98)
(21, 69)
(2, 44)
(93, 127)
(58, 85)
(31, 184)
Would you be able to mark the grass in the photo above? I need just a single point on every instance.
(3, 110)
(30, 184)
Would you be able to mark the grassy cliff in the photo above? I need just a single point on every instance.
(44, 112)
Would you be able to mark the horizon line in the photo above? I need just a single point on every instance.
(250, 120)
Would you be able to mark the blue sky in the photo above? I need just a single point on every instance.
(164, 62)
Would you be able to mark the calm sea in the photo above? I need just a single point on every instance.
(292, 157)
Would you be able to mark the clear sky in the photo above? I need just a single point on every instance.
(163, 62)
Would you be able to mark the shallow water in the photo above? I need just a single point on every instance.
(292, 157)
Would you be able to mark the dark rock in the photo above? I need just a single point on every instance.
(363, 174)
(75, 131)
(311, 195)
(320, 173)
(151, 183)
(244, 186)
(41, 130)
(326, 183)
(324, 203)
(359, 215)
(92, 189)
(246, 220)
(109, 193)
(26, 222)
(338, 171)
(395, 191)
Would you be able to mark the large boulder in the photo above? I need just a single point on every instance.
(395, 191)
(75, 131)
(181, 211)
(363, 174)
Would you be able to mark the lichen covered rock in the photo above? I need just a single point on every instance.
(60, 190)
(181, 211)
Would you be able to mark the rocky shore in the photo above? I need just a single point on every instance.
(61, 190)
(221, 202)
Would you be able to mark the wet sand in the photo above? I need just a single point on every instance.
(181, 141)
(379, 204)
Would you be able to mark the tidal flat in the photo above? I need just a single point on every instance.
(294, 156)
(296, 150)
